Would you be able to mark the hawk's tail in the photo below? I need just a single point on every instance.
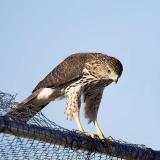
(26, 110)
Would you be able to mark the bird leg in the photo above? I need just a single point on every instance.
(81, 129)
(78, 122)
(98, 130)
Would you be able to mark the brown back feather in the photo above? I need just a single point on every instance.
(69, 70)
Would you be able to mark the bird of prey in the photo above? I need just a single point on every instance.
(81, 74)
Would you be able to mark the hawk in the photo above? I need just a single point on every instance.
(81, 74)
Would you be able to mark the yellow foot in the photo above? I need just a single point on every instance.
(101, 136)
(90, 134)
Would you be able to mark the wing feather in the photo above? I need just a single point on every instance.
(67, 71)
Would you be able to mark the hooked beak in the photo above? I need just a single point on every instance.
(116, 80)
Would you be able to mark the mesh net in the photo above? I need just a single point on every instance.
(41, 138)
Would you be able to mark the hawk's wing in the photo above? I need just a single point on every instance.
(67, 71)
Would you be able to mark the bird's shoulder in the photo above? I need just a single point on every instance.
(67, 71)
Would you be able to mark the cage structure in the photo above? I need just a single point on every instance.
(41, 138)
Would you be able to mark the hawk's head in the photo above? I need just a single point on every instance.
(104, 67)
(113, 68)
(107, 67)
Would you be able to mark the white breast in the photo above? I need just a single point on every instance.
(45, 93)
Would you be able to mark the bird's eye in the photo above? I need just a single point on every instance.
(109, 71)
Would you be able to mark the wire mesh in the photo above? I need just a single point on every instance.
(41, 138)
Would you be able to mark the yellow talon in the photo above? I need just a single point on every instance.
(90, 135)
(101, 136)
(99, 132)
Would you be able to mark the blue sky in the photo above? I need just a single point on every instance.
(37, 35)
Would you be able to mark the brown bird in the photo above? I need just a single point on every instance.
(84, 74)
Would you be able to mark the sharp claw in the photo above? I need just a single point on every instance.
(92, 135)
(101, 136)
(99, 132)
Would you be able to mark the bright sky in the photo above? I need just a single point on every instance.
(37, 35)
